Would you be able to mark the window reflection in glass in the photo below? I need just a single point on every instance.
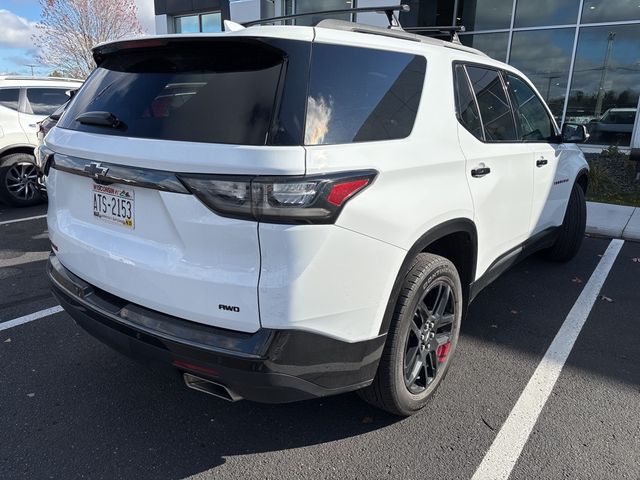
(486, 14)
(604, 90)
(535, 123)
(188, 24)
(610, 10)
(546, 12)
(466, 104)
(495, 110)
(45, 101)
(493, 44)
(211, 22)
(362, 95)
(544, 56)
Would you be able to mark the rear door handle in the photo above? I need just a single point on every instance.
(480, 172)
(542, 162)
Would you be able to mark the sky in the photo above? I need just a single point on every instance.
(18, 19)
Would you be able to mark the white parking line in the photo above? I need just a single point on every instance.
(37, 217)
(27, 257)
(508, 444)
(30, 318)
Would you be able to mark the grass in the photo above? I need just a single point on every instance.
(630, 199)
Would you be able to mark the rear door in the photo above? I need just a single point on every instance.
(38, 103)
(121, 214)
(551, 172)
(499, 166)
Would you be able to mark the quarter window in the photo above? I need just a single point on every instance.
(495, 109)
(45, 101)
(466, 105)
(9, 97)
(362, 95)
(535, 124)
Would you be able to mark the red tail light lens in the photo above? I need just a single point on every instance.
(309, 199)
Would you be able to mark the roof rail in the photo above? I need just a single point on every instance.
(449, 33)
(46, 79)
(401, 34)
(388, 10)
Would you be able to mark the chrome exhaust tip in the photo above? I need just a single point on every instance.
(209, 387)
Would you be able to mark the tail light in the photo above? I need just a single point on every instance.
(308, 199)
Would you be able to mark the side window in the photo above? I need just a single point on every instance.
(466, 107)
(45, 101)
(361, 94)
(9, 97)
(535, 123)
(495, 109)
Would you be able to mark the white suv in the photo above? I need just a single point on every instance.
(284, 212)
(25, 101)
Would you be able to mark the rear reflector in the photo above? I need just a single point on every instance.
(342, 191)
(195, 368)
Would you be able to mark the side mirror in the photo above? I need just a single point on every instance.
(574, 133)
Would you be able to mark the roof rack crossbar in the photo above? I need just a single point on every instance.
(388, 10)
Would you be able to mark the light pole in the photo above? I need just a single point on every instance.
(610, 38)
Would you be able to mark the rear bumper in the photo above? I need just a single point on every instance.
(272, 366)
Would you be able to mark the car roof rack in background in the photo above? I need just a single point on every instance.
(388, 10)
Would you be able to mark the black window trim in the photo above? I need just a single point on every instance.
(475, 101)
(502, 73)
(19, 96)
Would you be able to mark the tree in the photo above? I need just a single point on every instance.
(71, 28)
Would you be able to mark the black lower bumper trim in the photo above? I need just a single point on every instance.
(272, 366)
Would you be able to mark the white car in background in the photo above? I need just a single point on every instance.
(25, 101)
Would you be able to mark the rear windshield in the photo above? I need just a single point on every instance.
(216, 92)
(253, 92)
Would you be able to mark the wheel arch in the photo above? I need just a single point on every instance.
(456, 240)
(582, 179)
(20, 148)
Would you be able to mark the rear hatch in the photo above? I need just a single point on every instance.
(121, 212)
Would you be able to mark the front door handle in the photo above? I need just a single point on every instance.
(542, 162)
(480, 172)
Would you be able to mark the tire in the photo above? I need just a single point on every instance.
(18, 180)
(571, 232)
(425, 285)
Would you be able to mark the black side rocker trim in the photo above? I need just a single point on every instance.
(540, 241)
(271, 366)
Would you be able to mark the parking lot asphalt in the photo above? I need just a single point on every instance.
(72, 408)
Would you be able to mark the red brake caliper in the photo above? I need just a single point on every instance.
(443, 351)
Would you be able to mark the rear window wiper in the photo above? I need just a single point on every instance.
(100, 119)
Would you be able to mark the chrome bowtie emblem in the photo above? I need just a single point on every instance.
(96, 170)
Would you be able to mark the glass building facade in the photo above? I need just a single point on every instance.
(582, 55)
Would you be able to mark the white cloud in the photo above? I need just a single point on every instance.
(16, 31)
(146, 15)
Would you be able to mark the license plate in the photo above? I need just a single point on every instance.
(114, 204)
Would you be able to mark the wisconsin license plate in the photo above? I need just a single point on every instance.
(114, 204)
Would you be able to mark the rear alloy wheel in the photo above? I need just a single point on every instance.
(422, 337)
(429, 338)
(19, 180)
